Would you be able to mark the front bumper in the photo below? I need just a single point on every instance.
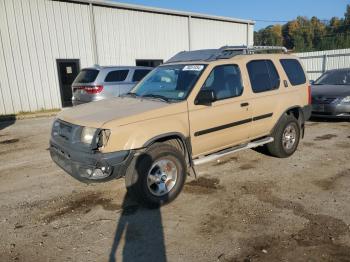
(331, 110)
(90, 166)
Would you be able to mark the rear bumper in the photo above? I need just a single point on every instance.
(90, 167)
(77, 102)
(331, 110)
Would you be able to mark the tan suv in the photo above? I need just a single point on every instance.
(199, 106)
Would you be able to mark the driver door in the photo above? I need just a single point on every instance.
(226, 122)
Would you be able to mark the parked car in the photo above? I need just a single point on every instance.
(101, 82)
(196, 108)
(331, 94)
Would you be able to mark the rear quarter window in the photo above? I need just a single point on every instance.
(263, 76)
(294, 71)
(117, 76)
(86, 76)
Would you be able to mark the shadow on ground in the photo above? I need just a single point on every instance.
(6, 121)
(139, 232)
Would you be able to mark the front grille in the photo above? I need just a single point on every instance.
(63, 130)
(323, 100)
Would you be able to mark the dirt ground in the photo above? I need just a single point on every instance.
(248, 207)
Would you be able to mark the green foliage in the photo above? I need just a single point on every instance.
(303, 34)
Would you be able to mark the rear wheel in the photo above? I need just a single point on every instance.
(286, 137)
(157, 176)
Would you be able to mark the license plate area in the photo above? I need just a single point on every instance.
(60, 153)
(318, 108)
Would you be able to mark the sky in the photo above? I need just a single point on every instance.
(263, 12)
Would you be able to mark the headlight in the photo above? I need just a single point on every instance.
(87, 134)
(103, 137)
(345, 100)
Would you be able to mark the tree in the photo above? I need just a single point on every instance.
(303, 34)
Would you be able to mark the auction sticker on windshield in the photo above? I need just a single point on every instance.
(193, 68)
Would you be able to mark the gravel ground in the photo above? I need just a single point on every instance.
(247, 207)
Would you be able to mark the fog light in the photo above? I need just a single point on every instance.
(101, 172)
(98, 173)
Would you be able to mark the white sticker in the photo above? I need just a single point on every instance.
(193, 68)
(69, 70)
(181, 94)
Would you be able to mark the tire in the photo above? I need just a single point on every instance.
(157, 175)
(286, 137)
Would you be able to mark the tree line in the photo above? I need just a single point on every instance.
(303, 34)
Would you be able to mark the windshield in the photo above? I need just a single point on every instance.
(170, 82)
(334, 78)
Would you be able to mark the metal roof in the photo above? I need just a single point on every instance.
(162, 11)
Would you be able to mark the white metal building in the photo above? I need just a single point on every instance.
(316, 63)
(37, 37)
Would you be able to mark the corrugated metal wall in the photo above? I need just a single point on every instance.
(318, 62)
(33, 34)
(214, 34)
(126, 35)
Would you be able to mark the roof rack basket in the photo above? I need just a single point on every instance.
(224, 52)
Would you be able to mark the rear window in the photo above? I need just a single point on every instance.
(139, 74)
(86, 76)
(294, 71)
(263, 76)
(117, 76)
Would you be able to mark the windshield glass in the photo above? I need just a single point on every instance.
(171, 82)
(334, 78)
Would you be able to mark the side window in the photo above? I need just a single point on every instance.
(263, 75)
(139, 74)
(117, 76)
(294, 71)
(225, 81)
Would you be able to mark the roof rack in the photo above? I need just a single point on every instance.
(224, 52)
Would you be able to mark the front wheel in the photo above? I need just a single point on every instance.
(157, 176)
(286, 137)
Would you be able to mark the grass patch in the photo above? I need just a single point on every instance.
(32, 114)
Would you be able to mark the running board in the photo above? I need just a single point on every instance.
(217, 155)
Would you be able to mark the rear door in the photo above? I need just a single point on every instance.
(265, 84)
(117, 82)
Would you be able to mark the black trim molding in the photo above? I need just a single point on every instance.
(262, 117)
(237, 123)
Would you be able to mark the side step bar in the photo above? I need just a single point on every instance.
(217, 155)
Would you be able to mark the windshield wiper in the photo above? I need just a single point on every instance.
(163, 98)
(130, 94)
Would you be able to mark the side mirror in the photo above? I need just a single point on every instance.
(205, 97)
(312, 82)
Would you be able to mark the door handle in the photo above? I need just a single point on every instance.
(244, 104)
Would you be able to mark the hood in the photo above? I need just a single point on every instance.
(96, 114)
(330, 90)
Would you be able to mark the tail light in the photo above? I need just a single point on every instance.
(93, 89)
(90, 89)
(309, 94)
